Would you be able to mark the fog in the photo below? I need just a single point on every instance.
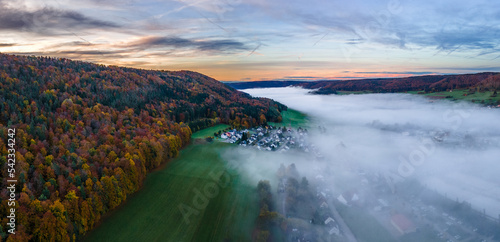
(450, 147)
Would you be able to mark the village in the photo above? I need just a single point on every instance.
(406, 216)
(309, 215)
(270, 138)
(384, 202)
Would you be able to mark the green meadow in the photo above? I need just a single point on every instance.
(485, 97)
(155, 213)
(169, 206)
(292, 118)
(209, 132)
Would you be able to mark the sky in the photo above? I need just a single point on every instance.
(236, 40)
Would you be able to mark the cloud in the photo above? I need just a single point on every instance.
(88, 52)
(467, 26)
(113, 3)
(221, 45)
(177, 42)
(89, 55)
(47, 19)
(302, 77)
(75, 44)
(351, 77)
(7, 44)
(473, 37)
(396, 72)
(155, 42)
(213, 6)
(147, 52)
(471, 69)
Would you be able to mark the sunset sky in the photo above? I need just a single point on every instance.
(237, 40)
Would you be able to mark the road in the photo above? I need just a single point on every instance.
(343, 226)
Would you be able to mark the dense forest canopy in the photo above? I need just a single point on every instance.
(87, 134)
(431, 83)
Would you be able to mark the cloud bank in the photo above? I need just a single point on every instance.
(47, 20)
(450, 147)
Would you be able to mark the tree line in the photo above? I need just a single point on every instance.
(88, 134)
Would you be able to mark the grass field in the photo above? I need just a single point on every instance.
(153, 214)
(292, 117)
(477, 97)
(208, 131)
(456, 95)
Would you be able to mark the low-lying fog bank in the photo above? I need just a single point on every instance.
(450, 147)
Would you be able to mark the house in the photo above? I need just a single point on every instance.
(335, 230)
(324, 205)
(402, 224)
(348, 198)
(329, 220)
(341, 199)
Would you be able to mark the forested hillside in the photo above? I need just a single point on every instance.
(86, 135)
(430, 83)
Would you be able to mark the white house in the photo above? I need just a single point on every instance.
(324, 205)
(329, 220)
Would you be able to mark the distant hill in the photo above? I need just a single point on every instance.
(263, 84)
(86, 135)
(429, 83)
